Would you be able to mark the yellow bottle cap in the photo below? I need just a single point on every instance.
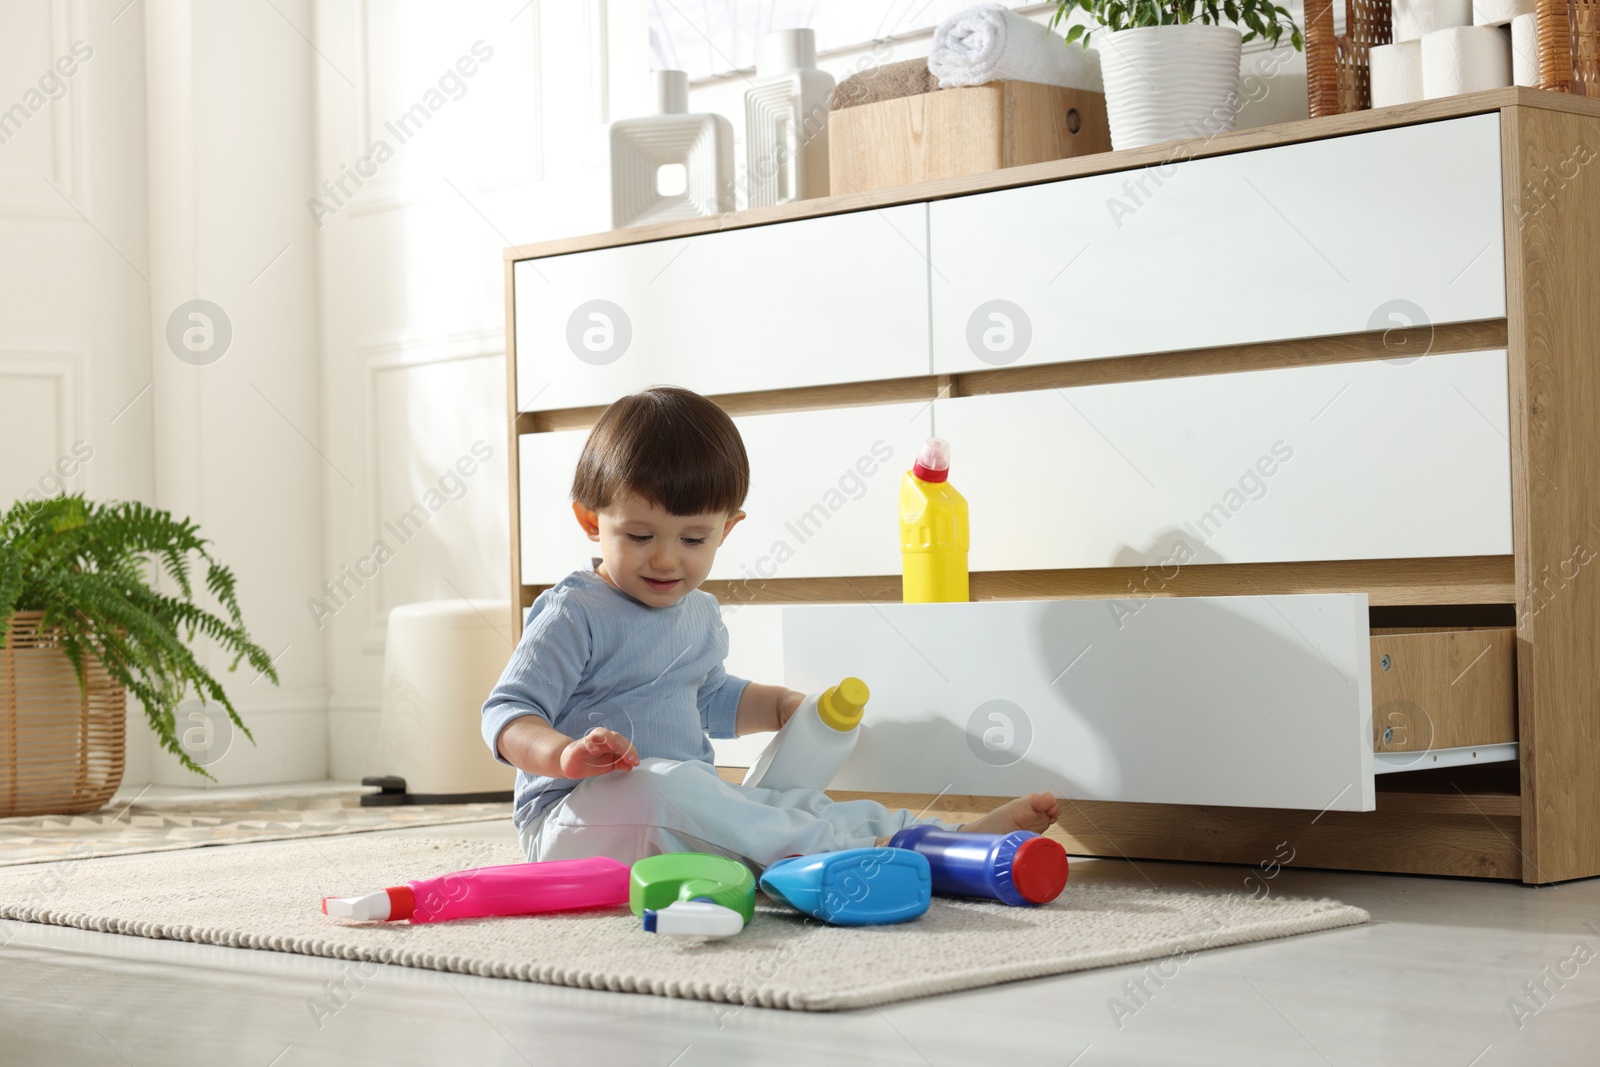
(840, 707)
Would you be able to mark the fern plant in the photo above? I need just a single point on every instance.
(1256, 18)
(91, 569)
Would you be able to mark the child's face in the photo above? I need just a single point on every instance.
(640, 542)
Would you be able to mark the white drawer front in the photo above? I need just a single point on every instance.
(1325, 237)
(1345, 461)
(553, 544)
(824, 486)
(824, 492)
(1245, 701)
(755, 653)
(836, 299)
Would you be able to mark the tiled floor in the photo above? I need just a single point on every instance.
(1429, 981)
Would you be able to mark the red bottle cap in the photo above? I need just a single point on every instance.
(1039, 870)
(933, 461)
(402, 902)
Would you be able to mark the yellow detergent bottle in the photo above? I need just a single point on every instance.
(933, 529)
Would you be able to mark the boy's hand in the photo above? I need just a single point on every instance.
(598, 752)
(788, 704)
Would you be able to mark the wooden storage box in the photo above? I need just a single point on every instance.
(952, 132)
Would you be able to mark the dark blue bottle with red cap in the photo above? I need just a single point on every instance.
(1020, 868)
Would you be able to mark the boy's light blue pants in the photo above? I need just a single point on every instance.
(684, 806)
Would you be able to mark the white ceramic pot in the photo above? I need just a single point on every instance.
(1168, 83)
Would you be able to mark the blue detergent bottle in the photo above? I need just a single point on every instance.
(853, 887)
(1019, 868)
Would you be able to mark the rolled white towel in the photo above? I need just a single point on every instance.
(992, 43)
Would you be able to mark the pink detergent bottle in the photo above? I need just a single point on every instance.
(512, 889)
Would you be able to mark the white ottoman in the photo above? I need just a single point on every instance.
(440, 661)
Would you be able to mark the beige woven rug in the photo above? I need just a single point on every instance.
(267, 897)
(122, 829)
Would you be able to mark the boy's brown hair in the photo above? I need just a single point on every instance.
(668, 446)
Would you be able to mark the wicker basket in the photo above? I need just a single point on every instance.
(1338, 75)
(62, 750)
(1569, 46)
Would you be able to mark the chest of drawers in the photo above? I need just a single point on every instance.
(1342, 369)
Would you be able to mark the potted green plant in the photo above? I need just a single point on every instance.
(1171, 67)
(80, 603)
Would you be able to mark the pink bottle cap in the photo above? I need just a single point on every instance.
(933, 462)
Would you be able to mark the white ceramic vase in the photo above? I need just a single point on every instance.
(1169, 83)
(670, 165)
(786, 121)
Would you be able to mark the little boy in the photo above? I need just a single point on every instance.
(607, 702)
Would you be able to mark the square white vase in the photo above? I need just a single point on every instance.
(670, 165)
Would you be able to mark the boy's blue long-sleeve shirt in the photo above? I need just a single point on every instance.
(591, 655)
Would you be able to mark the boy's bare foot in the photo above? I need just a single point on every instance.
(1036, 812)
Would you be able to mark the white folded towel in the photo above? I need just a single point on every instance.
(992, 43)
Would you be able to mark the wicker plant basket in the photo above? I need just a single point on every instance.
(61, 750)
(1338, 76)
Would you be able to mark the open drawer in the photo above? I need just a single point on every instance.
(1443, 698)
(1260, 702)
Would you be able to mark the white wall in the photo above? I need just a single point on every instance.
(74, 351)
(229, 148)
(108, 221)
(412, 289)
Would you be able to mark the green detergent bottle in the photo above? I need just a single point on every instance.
(658, 881)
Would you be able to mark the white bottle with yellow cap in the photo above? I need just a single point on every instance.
(815, 742)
